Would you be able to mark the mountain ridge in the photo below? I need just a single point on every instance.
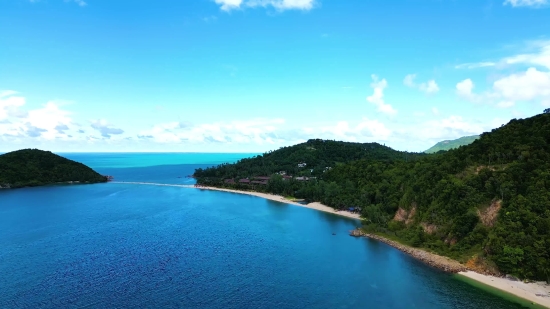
(452, 144)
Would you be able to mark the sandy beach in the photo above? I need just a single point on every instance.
(535, 292)
(272, 197)
(278, 198)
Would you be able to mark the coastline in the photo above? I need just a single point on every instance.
(277, 198)
(531, 292)
(537, 293)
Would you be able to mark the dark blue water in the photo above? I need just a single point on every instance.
(137, 246)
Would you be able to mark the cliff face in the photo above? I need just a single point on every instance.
(33, 167)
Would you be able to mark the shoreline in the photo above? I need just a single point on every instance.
(277, 198)
(534, 292)
(531, 292)
(537, 293)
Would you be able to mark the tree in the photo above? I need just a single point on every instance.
(547, 111)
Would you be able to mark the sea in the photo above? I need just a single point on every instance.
(121, 245)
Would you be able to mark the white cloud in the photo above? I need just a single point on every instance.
(264, 132)
(449, 128)
(539, 58)
(259, 131)
(228, 5)
(10, 104)
(531, 85)
(465, 89)
(48, 122)
(527, 3)
(105, 128)
(49, 118)
(377, 98)
(428, 87)
(527, 86)
(475, 65)
(366, 130)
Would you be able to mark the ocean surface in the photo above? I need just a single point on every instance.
(140, 246)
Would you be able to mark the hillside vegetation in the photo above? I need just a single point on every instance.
(33, 167)
(486, 204)
(452, 144)
(319, 156)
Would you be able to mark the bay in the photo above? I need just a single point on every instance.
(137, 246)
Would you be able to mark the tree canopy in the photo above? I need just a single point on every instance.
(33, 167)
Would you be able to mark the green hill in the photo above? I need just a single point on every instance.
(33, 167)
(452, 144)
(317, 154)
(486, 204)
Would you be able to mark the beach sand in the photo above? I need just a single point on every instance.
(272, 197)
(535, 292)
(278, 198)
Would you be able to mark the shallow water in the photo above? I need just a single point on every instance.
(129, 246)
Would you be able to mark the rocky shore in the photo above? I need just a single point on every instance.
(434, 260)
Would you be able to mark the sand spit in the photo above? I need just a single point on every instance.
(272, 197)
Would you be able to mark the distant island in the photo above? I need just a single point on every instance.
(452, 144)
(486, 204)
(33, 167)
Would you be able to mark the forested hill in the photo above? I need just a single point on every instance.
(33, 167)
(317, 154)
(486, 204)
(452, 144)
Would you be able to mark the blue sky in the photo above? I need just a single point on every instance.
(255, 75)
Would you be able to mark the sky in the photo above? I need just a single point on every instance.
(257, 75)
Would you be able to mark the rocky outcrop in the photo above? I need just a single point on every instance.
(482, 266)
(403, 215)
(434, 260)
(488, 216)
(429, 228)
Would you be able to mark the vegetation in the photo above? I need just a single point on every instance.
(488, 201)
(318, 155)
(33, 167)
(452, 144)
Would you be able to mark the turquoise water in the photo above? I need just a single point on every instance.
(137, 246)
(123, 160)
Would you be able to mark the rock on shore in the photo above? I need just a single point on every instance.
(434, 260)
